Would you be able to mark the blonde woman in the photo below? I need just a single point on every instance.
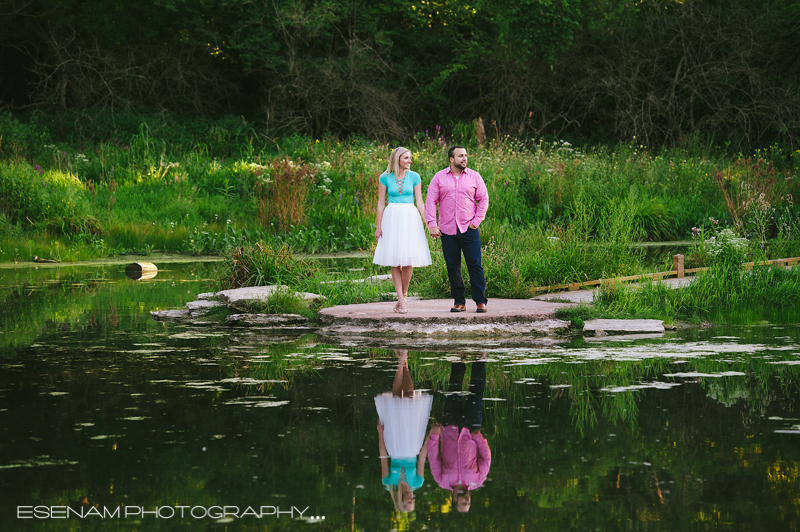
(400, 234)
(403, 416)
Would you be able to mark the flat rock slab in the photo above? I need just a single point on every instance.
(265, 320)
(576, 296)
(602, 327)
(172, 316)
(433, 317)
(239, 298)
(203, 304)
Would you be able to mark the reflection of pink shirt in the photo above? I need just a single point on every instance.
(461, 201)
(464, 458)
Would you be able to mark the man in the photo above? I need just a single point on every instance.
(458, 453)
(463, 201)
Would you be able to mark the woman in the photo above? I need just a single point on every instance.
(400, 234)
(402, 420)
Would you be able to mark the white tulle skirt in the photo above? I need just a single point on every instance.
(405, 421)
(403, 242)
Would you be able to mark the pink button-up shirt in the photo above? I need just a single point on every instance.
(464, 458)
(461, 201)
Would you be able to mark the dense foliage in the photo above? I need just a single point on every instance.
(223, 70)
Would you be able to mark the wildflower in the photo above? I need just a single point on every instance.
(713, 220)
(695, 231)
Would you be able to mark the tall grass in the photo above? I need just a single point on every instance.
(158, 178)
(723, 294)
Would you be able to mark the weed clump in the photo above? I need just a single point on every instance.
(260, 264)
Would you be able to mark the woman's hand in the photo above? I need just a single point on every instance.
(378, 234)
(380, 427)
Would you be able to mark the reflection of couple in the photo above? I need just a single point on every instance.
(462, 200)
(458, 454)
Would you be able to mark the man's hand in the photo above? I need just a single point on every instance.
(436, 429)
(435, 233)
(472, 226)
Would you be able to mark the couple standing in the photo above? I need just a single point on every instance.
(463, 200)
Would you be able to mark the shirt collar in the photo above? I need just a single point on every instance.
(463, 172)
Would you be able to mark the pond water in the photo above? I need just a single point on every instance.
(135, 424)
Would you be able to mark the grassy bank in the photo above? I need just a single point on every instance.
(148, 191)
(558, 214)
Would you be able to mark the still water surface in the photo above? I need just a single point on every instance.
(101, 407)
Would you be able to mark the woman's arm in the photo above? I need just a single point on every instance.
(423, 455)
(379, 210)
(419, 202)
(382, 452)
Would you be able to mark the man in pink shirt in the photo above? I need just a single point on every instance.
(458, 453)
(463, 200)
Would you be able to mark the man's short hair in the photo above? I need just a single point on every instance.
(453, 149)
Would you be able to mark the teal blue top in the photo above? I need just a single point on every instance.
(410, 181)
(403, 469)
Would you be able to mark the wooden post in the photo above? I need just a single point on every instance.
(780, 263)
(677, 264)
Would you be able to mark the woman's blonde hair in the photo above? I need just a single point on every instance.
(394, 160)
(396, 493)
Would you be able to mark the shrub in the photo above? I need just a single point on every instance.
(21, 141)
(282, 192)
(727, 250)
(54, 200)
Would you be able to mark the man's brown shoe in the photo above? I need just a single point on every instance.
(481, 307)
(458, 308)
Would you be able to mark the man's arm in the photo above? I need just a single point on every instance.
(433, 452)
(485, 455)
(481, 202)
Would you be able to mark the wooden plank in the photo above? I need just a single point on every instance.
(658, 275)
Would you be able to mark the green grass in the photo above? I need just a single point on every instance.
(724, 294)
(557, 214)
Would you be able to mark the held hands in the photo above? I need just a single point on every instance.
(435, 233)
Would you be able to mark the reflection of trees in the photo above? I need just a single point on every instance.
(35, 302)
(683, 460)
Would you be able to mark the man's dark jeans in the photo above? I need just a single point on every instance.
(470, 244)
(465, 411)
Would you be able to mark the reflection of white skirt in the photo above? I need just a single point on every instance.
(405, 420)
(403, 242)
